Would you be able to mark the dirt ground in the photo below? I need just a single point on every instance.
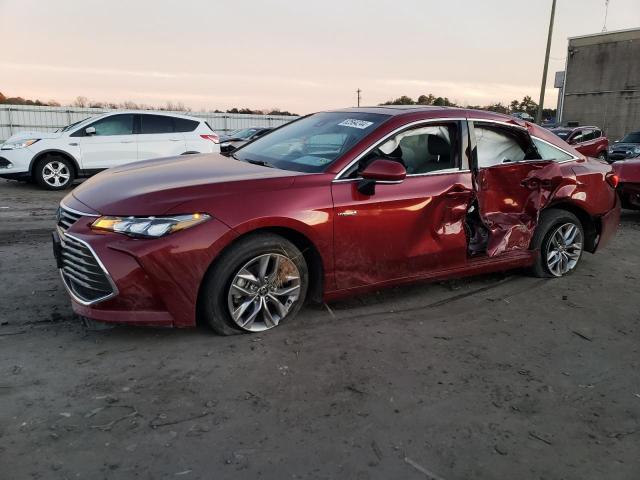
(496, 377)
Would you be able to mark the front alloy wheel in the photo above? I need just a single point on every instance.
(259, 282)
(263, 292)
(564, 249)
(54, 173)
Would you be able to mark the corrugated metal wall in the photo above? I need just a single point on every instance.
(18, 118)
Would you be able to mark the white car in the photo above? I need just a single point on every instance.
(54, 159)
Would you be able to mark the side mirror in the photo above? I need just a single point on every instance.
(90, 130)
(381, 170)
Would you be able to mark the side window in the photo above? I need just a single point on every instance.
(184, 125)
(497, 145)
(424, 149)
(549, 152)
(156, 124)
(578, 136)
(588, 135)
(114, 125)
(597, 134)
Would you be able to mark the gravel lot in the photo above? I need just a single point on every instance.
(496, 377)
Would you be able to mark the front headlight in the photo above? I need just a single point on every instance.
(18, 144)
(149, 227)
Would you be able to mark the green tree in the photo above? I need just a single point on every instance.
(426, 99)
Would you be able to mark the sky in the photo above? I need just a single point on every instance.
(295, 55)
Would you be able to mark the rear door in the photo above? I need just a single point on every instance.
(513, 183)
(113, 143)
(158, 137)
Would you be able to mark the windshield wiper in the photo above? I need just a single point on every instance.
(253, 162)
(259, 162)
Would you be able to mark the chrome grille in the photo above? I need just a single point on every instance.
(82, 271)
(66, 218)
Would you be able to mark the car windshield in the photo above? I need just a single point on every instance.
(631, 138)
(312, 143)
(563, 134)
(71, 125)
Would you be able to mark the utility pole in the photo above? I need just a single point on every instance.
(546, 65)
(358, 92)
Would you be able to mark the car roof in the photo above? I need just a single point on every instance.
(151, 112)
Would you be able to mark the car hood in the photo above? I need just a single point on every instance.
(153, 187)
(34, 134)
(624, 146)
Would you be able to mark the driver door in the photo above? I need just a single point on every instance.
(406, 229)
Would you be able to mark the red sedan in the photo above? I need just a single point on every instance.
(589, 141)
(334, 204)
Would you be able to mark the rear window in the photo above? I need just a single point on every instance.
(155, 124)
(184, 125)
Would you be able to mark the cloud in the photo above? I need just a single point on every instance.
(161, 74)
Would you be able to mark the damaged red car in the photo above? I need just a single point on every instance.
(333, 204)
(628, 173)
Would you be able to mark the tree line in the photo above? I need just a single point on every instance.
(84, 102)
(526, 105)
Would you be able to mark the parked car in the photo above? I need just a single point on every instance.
(523, 116)
(628, 173)
(589, 141)
(627, 147)
(54, 159)
(333, 204)
(238, 138)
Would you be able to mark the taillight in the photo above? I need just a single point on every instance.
(211, 136)
(612, 179)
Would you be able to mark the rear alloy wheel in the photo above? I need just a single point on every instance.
(560, 241)
(258, 283)
(602, 156)
(54, 173)
(564, 249)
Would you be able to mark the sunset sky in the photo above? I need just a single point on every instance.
(297, 55)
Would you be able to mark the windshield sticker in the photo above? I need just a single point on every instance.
(353, 123)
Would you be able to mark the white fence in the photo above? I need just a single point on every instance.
(18, 118)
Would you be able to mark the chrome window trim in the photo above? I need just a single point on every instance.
(447, 171)
(77, 212)
(387, 136)
(102, 267)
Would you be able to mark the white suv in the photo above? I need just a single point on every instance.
(81, 149)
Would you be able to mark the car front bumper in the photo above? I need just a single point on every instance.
(14, 164)
(153, 282)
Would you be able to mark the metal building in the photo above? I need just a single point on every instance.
(602, 82)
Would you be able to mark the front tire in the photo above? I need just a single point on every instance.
(54, 172)
(559, 239)
(261, 281)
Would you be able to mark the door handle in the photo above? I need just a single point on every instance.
(175, 139)
(126, 141)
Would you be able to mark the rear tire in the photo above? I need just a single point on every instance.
(603, 156)
(53, 172)
(259, 282)
(559, 239)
